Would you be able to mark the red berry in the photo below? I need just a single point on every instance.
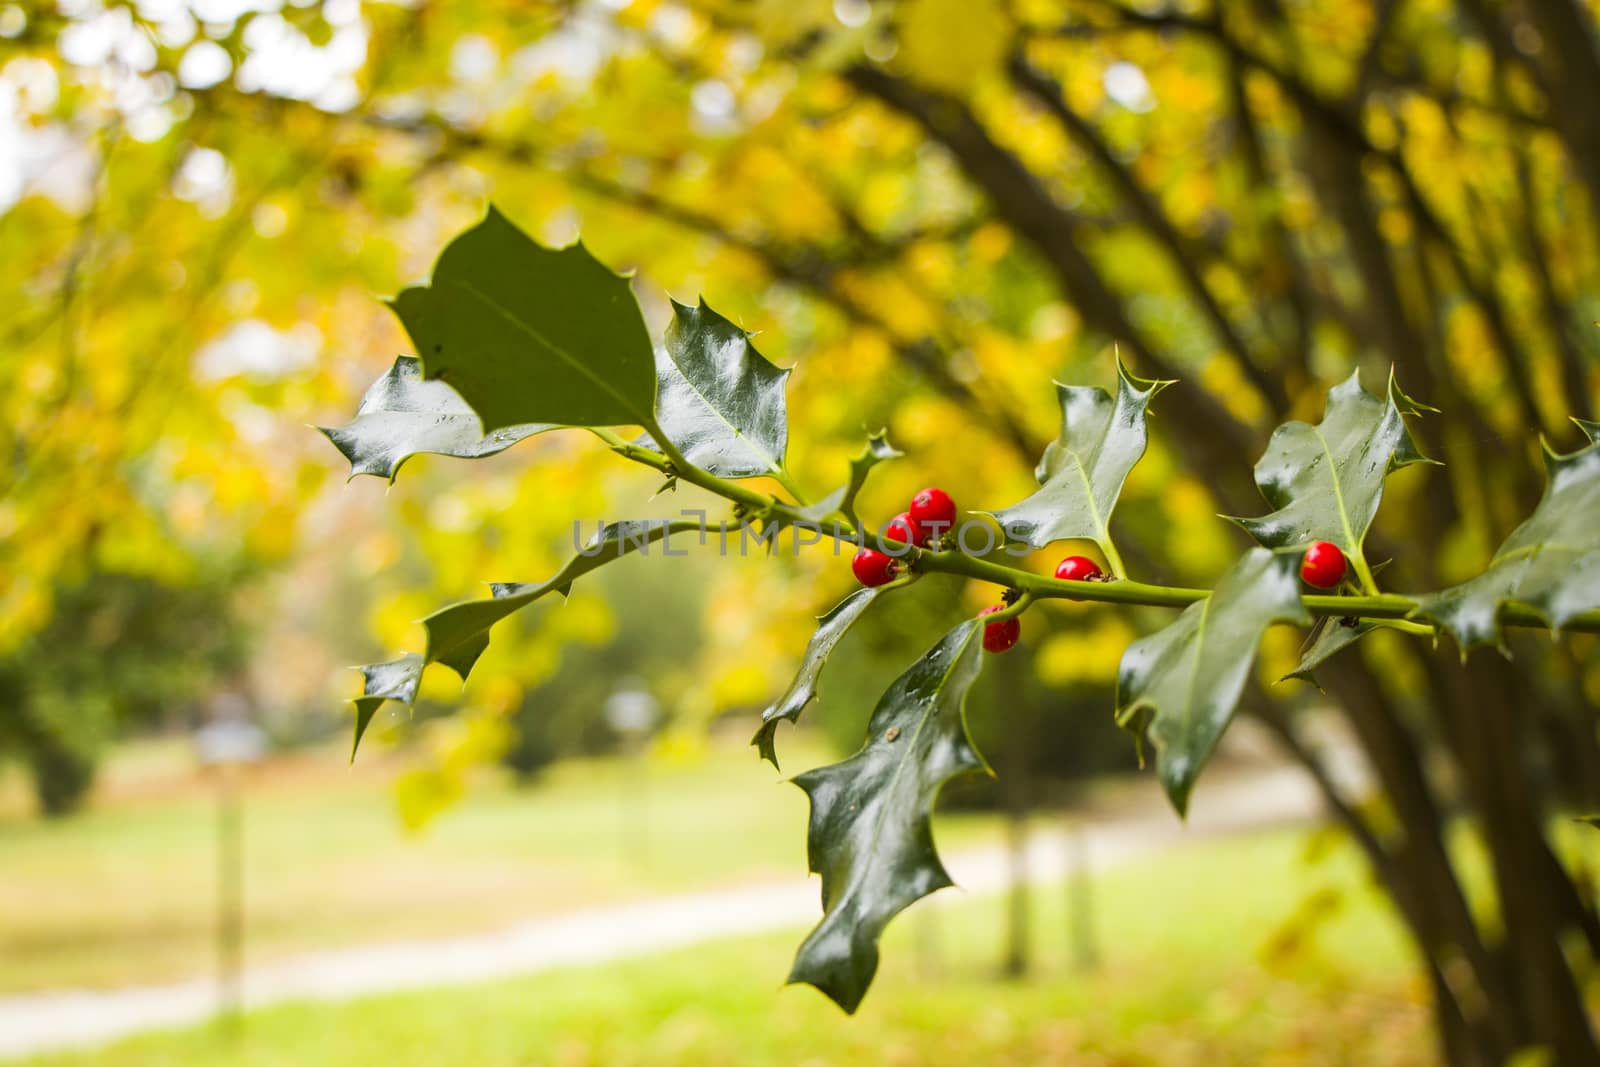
(904, 528)
(933, 511)
(1324, 565)
(1077, 569)
(873, 567)
(1000, 636)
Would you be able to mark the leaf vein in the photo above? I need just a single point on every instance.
(567, 357)
(772, 463)
(1350, 545)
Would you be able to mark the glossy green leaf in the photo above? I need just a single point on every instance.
(1180, 685)
(403, 415)
(1082, 472)
(830, 629)
(871, 833)
(719, 400)
(1326, 480)
(458, 634)
(1551, 563)
(1329, 639)
(842, 501)
(528, 334)
(395, 680)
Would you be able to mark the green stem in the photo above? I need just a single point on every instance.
(688, 472)
(1369, 584)
(1113, 558)
(627, 450)
(1010, 611)
(672, 462)
(1385, 606)
(785, 479)
(1418, 628)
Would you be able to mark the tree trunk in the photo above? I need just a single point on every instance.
(1539, 908)
(1016, 787)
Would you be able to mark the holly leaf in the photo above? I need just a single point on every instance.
(1551, 563)
(1180, 685)
(830, 629)
(402, 415)
(382, 682)
(528, 334)
(1326, 480)
(718, 399)
(1081, 474)
(458, 634)
(1332, 637)
(871, 830)
(842, 501)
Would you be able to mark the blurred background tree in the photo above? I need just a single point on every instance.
(119, 651)
(931, 209)
(646, 645)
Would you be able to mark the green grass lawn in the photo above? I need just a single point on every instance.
(124, 893)
(1203, 962)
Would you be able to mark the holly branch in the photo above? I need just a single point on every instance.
(514, 339)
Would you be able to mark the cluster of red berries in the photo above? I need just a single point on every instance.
(932, 512)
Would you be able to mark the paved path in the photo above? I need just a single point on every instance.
(54, 1020)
